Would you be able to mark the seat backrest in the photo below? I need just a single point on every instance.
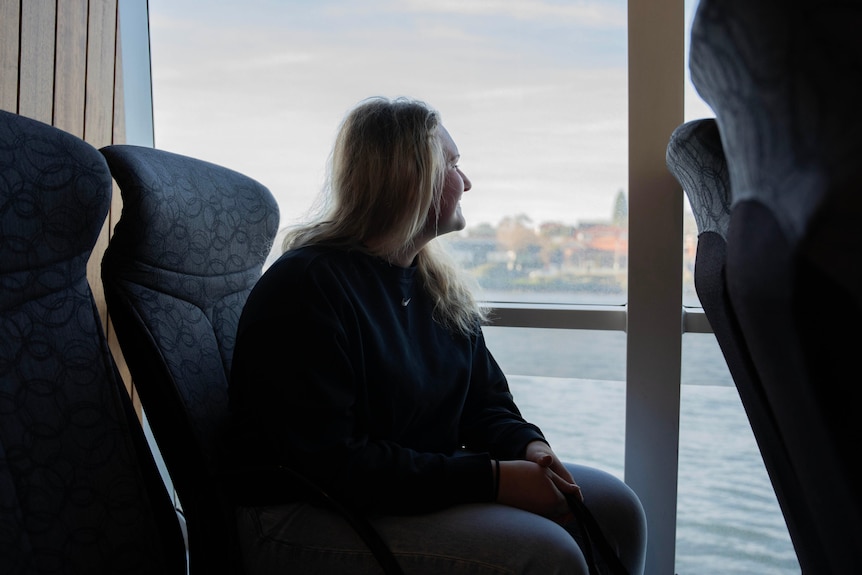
(781, 79)
(188, 248)
(79, 488)
(696, 159)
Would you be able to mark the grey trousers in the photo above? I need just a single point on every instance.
(485, 538)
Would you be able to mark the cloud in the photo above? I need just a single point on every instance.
(267, 61)
(589, 14)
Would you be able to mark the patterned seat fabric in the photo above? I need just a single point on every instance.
(190, 245)
(79, 489)
(696, 159)
(781, 79)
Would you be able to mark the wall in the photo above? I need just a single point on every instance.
(60, 64)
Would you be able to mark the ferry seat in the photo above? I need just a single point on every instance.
(190, 244)
(696, 159)
(80, 490)
(781, 78)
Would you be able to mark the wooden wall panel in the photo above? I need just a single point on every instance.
(101, 50)
(71, 66)
(36, 72)
(10, 19)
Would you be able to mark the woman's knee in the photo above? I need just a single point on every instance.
(483, 538)
(619, 512)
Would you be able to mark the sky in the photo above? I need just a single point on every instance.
(532, 91)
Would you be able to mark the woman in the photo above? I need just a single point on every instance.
(360, 362)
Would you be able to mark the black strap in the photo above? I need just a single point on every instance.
(594, 541)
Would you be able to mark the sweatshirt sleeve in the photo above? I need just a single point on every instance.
(492, 421)
(295, 385)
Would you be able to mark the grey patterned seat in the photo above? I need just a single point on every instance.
(190, 245)
(696, 159)
(782, 79)
(79, 489)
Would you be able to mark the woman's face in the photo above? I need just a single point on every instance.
(449, 218)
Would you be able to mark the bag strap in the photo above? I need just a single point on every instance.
(595, 540)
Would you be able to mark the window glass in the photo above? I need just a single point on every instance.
(728, 518)
(533, 92)
(568, 353)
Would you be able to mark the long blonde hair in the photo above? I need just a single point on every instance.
(385, 174)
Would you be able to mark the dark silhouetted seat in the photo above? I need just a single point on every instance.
(79, 488)
(696, 158)
(188, 248)
(781, 78)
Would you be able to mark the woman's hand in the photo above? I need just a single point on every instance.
(529, 486)
(541, 453)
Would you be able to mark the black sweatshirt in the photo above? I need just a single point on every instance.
(341, 373)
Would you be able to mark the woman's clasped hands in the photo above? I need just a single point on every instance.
(538, 483)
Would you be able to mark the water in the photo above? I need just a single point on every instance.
(728, 519)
